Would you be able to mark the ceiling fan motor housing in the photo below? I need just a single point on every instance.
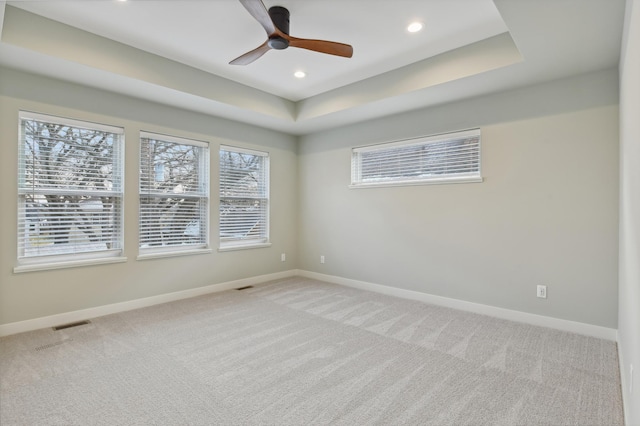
(280, 17)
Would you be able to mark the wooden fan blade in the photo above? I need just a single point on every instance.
(258, 10)
(251, 56)
(322, 46)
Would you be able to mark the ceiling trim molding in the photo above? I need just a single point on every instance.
(38, 34)
(486, 55)
(66, 45)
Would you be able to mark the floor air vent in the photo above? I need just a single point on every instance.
(71, 324)
(244, 288)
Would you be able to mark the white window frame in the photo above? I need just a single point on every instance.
(201, 194)
(238, 243)
(461, 175)
(82, 253)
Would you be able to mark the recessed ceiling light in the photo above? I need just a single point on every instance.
(300, 74)
(414, 27)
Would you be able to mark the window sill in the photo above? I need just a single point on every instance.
(443, 181)
(68, 264)
(243, 246)
(159, 255)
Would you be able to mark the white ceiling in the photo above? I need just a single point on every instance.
(177, 52)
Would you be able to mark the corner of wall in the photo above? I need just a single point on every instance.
(629, 232)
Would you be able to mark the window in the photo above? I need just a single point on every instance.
(174, 196)
(244, 198)
(69, 191)
(448, 158)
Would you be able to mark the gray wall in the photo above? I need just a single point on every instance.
(629, 287)
(547, 212)
(37, 294)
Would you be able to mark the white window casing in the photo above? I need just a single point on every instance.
(174, 196)
(70, 192)
(445, 158)
(244, 198)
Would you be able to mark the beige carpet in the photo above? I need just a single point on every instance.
(300, 352)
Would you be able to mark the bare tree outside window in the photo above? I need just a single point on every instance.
(70, 189)
(173, 193)
(244, 196)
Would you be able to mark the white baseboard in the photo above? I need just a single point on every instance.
(508, 314)
(67, 317)
(98, 311)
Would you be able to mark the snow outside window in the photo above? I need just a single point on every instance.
(244, 198)
(446, 158)
(69, 191)
(174, 195)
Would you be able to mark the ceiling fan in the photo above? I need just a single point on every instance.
(275, 22)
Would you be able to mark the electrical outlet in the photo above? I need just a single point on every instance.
(283, 257)
(542, 291)
(321, 259)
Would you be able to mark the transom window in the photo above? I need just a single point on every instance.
(244, 198)
(174, 195)
(447, 158)
(69, 190)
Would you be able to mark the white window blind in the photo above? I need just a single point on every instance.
(244, 197)
(452, 157)
(69, 190)
(174, 194)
